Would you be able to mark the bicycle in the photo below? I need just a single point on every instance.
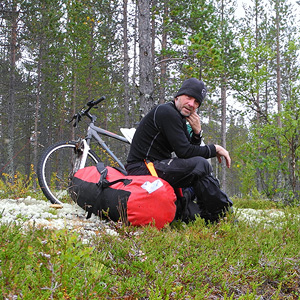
(59, 162)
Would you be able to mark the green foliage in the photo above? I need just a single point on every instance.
(237, 135)
(69, 52)
(20, 186)
(257, 56)
(256, 201)
(45, 265)
(228, 260)
(272, 154)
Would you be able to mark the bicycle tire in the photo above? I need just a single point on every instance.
(55, 169)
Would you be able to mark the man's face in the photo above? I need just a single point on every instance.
(186, 105)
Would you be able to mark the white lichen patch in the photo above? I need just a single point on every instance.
(30, 212)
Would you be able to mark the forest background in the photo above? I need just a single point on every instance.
(56, 55)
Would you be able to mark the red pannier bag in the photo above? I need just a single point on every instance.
(108, 193)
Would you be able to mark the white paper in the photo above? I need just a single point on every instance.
(152, 187)
(128, 133)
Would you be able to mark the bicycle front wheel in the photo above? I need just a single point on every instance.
(56, 168)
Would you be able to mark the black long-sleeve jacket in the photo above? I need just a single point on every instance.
(163, 131)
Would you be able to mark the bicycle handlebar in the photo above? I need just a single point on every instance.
(93, 103)
(90, 104)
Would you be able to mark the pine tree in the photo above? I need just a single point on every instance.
(146, 80)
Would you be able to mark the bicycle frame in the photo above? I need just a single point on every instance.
(92, 132)
(60, 161)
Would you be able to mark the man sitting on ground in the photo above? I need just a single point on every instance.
(163, 131)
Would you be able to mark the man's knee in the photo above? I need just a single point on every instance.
(202, 166)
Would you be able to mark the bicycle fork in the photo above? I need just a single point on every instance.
(81, 153)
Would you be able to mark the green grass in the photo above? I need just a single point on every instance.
(257, 203)
(224, 261)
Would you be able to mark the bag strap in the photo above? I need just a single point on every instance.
(151, 168)
(103, 173)
(104, 183)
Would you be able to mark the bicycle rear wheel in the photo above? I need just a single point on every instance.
(56, 168)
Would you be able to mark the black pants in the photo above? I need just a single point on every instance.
(193, 172)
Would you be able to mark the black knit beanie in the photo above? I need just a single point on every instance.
(193, 87)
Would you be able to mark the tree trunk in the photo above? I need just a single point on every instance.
(37, 112)
(74, 95)
(257, 104)
(163, 65)
(258, 111)
(91, 61)
(224, 104)
(146, 83)
(223, 132)
(134, 91)
(126, 64)
(12, 92)
(278, 71)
